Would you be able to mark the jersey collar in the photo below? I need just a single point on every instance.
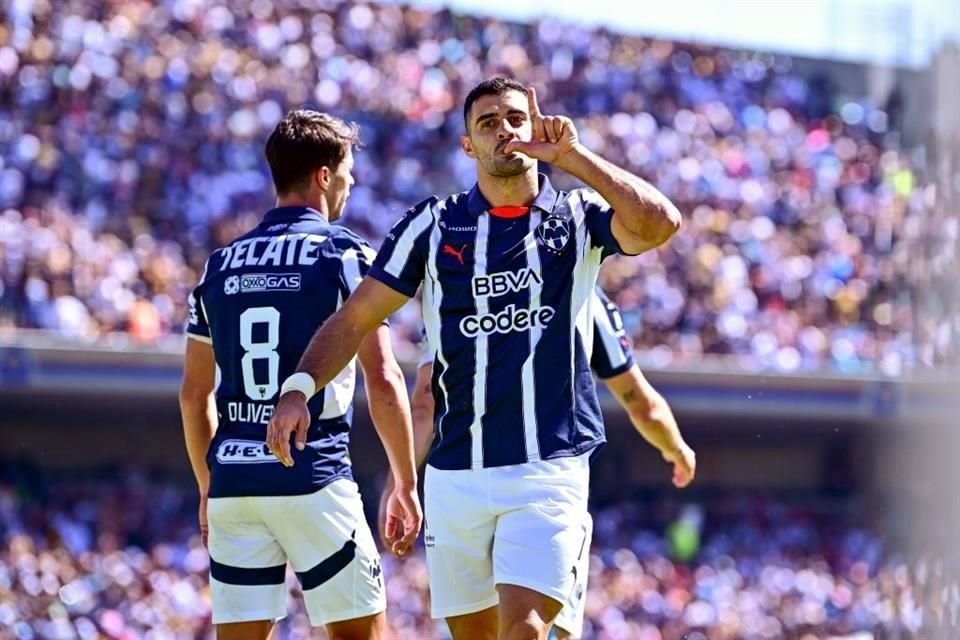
(291, 214)
(545, 200)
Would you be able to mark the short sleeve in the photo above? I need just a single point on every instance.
(401, 261)
(356, 259)
(197, 325)
(612, 351)
(598, 214)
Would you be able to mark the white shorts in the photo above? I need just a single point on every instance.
(570, 618)
(519, 525)
(323, 535)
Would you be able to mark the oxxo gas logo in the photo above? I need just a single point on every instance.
(252, 282)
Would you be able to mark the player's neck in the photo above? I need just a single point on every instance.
(510, 191)
(296, 200)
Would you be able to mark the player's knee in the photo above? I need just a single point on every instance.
(529, 628)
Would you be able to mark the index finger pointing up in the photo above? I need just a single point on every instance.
(532, 102)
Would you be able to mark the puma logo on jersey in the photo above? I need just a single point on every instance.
(450, 251)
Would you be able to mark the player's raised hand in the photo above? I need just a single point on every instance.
(290, 417)
(402, 520)
(684, 462)
(552, 138)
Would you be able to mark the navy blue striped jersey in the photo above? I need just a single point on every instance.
(507, 308)
(612, 351)
(259, 301)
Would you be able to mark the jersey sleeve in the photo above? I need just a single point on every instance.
(401, 261)
(198, 326)
(598, 215)
(612, 351)
(356, 258)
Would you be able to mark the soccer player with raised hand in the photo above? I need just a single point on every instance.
(508, 270)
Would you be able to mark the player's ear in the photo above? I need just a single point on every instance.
(467, 146)
(322, 177)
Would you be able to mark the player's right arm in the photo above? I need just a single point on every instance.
(390, 411)
(199, 411)
(394, 277)
(198, 406)
(651, 416)
(332, 347)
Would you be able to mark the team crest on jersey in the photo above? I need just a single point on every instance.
(553, 233)
(231, 285)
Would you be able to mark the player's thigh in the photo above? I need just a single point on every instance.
(526, 614)
(540, 533)
(366, 628)
(569, 622)
(458, 536)
(328, 542)
(479, 625)
(259, 630)
(247, 565)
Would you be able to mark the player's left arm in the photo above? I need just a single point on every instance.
(390, 412)
(643, 218)
(654, 420)
(199, 411)
(421, 409)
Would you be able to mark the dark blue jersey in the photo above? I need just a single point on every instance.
(508, 309)
(612, 351)
(259, 302)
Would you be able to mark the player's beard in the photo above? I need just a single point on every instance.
(502, 165)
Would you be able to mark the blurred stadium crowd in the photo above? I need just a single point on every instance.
(119, 557)
(131, 145)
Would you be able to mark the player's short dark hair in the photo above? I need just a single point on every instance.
(491, 87)
(304, 141)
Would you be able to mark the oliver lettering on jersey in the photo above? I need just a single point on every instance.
(498, 284)
(254, 412)
(507, 321)
(244, 452)
(287, 250)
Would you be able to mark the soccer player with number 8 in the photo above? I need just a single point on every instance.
(258, 303)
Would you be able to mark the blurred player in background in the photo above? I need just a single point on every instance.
(611, 361)
(508, 271)
(259, 301)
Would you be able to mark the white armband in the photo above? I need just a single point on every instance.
(300, 381)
